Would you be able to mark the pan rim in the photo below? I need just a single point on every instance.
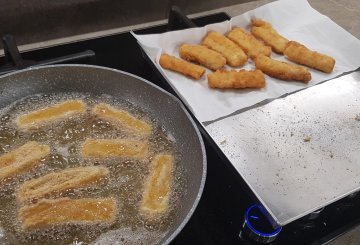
(197, 131)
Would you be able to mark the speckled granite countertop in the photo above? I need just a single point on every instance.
(345, 13)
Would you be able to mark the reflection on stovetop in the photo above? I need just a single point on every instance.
(219, 216)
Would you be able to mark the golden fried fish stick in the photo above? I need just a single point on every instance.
(234, 55)
(264, 31)
(248, 43)
(50, 114)
(104, 148)
(122, 119)
(22, 159)
(172, 63)
(60, 181)
(202, 55)
(48, 213)
(157, 187)
(300, 54)
(282, 70)
(236, 79)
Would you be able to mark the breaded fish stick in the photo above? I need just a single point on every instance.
(236, 79)
(172, 63)
(264, 31)
(22, 159)
(282, 70)
(104, 148)
(234, 55)
(302, 55)
(50, 114)
(60, 181)
(248, 43)
(157, 187)
(47, 213)
(122, 119)
(202, 55)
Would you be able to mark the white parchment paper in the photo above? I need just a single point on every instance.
(294, 19)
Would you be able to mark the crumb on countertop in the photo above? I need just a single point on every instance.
(307, 138)
(222, 142)
(357, 118)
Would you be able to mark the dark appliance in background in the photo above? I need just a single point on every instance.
(228, 212)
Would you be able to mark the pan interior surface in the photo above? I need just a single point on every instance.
(161, 106)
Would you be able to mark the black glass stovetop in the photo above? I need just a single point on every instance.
(219, 216)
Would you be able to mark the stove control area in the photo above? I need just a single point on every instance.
(322, 225)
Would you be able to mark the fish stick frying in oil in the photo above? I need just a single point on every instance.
(202, 55)
(188, 69)
(248, 43)
(50, 114)
(22, 159)
(104, 148)
(300, 54)
(60, 181)
(282, 70)
(236, 79)
(234, 55)
(264, 31)
(157, 187)
(48, 213)
(122, 119)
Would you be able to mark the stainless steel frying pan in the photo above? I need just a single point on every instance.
(162, 105)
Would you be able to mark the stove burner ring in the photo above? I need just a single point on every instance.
(257, 225)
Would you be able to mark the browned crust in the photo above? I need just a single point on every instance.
(248, 43)
(156, 193)
(50, 114)
(110, 148)
(202, 55)
(234, 55)
(62, 211)
(181, 66)
(282, 70)
(122, 119)
(300, 54)
(60, 181)
(22, 159)
(236, 79)
(265, 32)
